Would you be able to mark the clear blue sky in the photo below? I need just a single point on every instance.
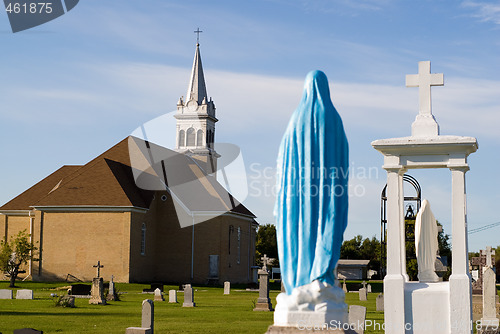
(73, 87)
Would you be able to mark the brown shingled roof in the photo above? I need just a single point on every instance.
(108, 180)
(42, 188)
(104, 181)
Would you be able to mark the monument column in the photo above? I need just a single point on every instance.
(460, 302)
(394, 280)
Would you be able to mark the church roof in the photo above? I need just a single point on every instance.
(108, 180)
(42, 188)
(197, 90)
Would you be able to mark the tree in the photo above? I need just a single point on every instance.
(266, 243)
(15, 253)
(359, 249)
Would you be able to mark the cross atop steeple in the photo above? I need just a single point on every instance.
(197, 32)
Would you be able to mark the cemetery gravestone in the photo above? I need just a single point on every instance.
(147, 323)
(227, 288)
(66, 301)
(362, 294)
(80, 290)
(369, 288)
(172, 296)
(111, 290)
(489, 321)
(188, 296)
(485, 258)
(27, 331)
(5, 294)
(24, 294)
(344, 287)
(380, 302)
(97, 292)
(158, 296)
(357, 317)
(263, 302)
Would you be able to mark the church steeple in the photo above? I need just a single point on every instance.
(196, 119)
(197, 90)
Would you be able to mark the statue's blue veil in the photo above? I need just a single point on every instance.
(312, 198)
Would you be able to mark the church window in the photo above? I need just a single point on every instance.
(190, 134)
(143, 239)
(199, 138)
(182, 138)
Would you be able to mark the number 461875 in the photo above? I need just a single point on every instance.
(31, 8)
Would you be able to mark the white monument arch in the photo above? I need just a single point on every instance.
(416, 307)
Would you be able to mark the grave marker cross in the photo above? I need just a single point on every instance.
(98, 266)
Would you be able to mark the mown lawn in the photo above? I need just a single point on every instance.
(214, 312)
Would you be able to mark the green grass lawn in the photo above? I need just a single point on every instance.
(214, 312)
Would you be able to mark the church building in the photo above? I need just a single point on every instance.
(79, 215)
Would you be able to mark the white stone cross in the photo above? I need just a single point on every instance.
(265, 261)
(424, 80)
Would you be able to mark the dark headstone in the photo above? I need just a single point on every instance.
(155, 286)
(27, 331)
(81, 289)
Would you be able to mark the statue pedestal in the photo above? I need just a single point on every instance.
(312, 306)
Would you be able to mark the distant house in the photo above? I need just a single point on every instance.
(353, 269)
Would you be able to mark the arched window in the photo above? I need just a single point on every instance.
(190, 134)
(182, 138)
(199, 138)
(143, 239)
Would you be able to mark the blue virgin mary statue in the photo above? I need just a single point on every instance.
(312, 198)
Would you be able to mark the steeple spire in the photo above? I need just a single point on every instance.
(197, 90)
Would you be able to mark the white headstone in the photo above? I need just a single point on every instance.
(426, 243)
(489, 298)
(172, 296)
(188, 296)
(158, 295)
(5, 294)
(148, 314)
(362, 294)
(380, 302)
(357, 317)
(24, 294)
(227, 288)
(111, 290)
(369, 288)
